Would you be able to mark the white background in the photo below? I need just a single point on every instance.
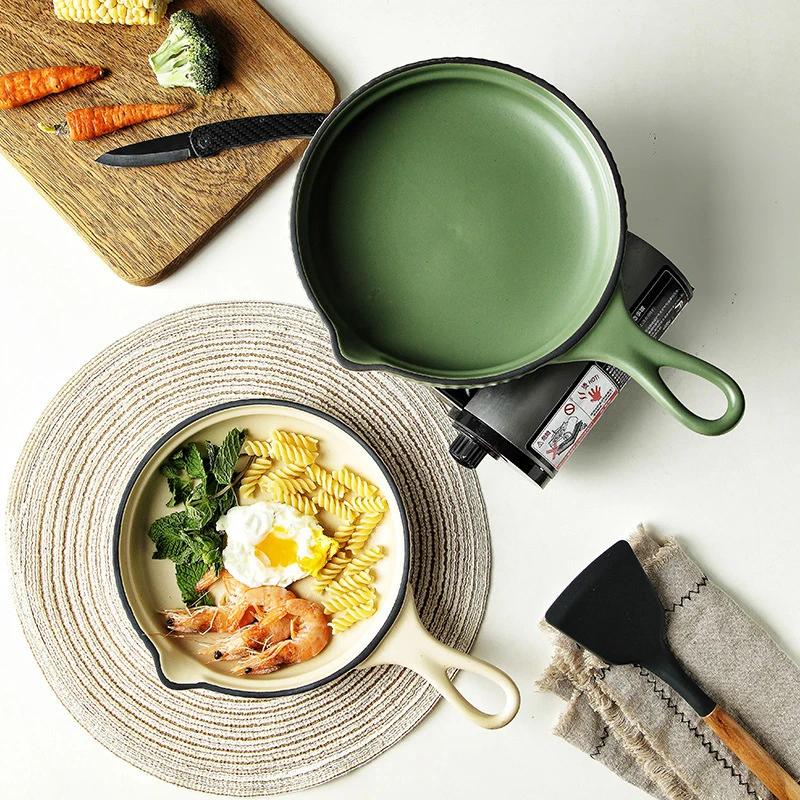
(699, 104)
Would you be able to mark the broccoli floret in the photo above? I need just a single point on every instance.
(188, 56)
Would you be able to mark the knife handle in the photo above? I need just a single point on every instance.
(772, 774)
(208, 140)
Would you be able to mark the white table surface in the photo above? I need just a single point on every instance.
(699, 104)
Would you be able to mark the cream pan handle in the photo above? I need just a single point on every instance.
(408, 643)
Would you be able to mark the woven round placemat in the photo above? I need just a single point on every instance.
(62, 503)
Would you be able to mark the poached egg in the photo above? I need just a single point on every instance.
(273, 544)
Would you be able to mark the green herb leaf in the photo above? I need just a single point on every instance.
(189, 537)
(227, 456)
(187, 576)
(174, 465)
(179, 488)
(194, 462)
(167, 535)
(199, 494)
(199, 514)
(207, 547)
(227, 501)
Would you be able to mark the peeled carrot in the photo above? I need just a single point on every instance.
(89, 123)
(19, 88)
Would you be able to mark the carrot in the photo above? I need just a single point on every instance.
(89, 123)
(19, 88)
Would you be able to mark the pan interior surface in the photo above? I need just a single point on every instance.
(457, 220)
(149, 585)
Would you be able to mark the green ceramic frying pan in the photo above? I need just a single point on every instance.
(461, 222)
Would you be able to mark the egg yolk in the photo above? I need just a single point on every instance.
(280, 549)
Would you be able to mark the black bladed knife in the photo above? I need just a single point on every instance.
(209, 140)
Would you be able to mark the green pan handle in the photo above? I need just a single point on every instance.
(617, 340)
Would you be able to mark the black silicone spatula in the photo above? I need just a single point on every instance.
(612, 609)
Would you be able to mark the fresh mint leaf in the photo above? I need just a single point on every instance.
(227, 501)
(207, 547)
(167, 534)
(174, 465)
(179, 488)
(198, 494)
(199, 514)
(227, 456)
(187, 576)
(202, 482)
(174, 549)
(194, 462)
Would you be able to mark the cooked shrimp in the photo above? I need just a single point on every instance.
(267, 597)
(209, 619)
(233, 587)
(274, 626)
(308, 634)
(248, 605)
(209, 578)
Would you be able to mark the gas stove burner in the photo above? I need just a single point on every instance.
(536, 422)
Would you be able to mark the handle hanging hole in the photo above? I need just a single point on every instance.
(697, 394)
(483, 693)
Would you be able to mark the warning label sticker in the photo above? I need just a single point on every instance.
(575, 417)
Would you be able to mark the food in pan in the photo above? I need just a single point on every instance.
(19, 88)
(355, 483)
(253, 474)
(124, 12)
(89, 123)
(273, 544)
(203, 481)
(253, 528)
(267, 627)
(189, 56)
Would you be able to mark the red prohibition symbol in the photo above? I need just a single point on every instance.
(569, 408)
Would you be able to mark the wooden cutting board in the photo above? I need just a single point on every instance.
(146, 222)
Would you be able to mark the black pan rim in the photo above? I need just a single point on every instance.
(443, 380)
(363, 653)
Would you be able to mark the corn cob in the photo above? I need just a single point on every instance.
(123, 12)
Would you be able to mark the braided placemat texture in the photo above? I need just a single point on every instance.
(62, 503)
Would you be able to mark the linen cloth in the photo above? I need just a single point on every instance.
(639, 727)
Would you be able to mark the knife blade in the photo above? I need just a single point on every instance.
(212, 139)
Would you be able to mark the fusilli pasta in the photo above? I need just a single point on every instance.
(292, 453)
(250, 480)
(346, 581)
(289, 471)
(346, 619)
(256, 448)
(325, 480)
(331, 571)
(355, 482)
(299, 501)
(343, 533)
(335, 506)
(342, 602)
(370, 504)
(297, 439)
(277, 485)
(351, 583)
(364, 560)
(364, 526)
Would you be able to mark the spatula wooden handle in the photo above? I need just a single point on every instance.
(760, 762)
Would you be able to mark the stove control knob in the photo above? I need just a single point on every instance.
(467, 451)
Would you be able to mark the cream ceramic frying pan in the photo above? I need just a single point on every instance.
(394, 635)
